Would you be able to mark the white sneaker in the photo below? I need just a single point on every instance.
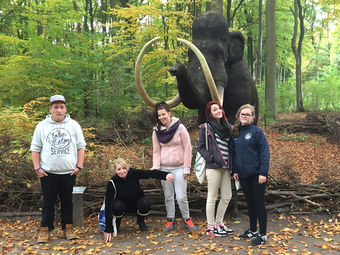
(222, 230)
(226, 229)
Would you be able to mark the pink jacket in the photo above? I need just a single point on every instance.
(175, 153)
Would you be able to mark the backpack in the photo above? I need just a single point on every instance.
(199, 166)
(101, 215)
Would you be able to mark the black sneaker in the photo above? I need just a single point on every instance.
(258, 240)
(248, 234)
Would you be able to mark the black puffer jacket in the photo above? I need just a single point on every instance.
(212, 156)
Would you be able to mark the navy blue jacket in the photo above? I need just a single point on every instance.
(249, 152)
(212, 156)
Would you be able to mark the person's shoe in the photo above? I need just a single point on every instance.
(248, 234)
(211, 231)
(222, 230)
(259, 239)
(68, 232)
(170, 224)
(219, 231)
(44, 235)
(189, 224)
(141, 223)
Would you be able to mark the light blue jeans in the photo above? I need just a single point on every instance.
(179, 187)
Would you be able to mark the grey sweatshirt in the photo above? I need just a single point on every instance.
(58, 143)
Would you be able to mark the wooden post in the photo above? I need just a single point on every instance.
(78, 209)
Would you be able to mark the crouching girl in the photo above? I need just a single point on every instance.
(124, 194)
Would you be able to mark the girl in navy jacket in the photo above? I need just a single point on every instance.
(250, 164)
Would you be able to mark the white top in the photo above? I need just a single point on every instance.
(58, 143)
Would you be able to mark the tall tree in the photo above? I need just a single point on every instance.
(298, 22)
(215, 5)
(259, 46)
(270, 89)
(231, 13)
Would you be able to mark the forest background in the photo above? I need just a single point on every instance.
(86, 50)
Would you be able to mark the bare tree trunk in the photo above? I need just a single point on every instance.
(166, 47)
(75, 7)
(250, 43)
(229, 12)
(113, 4)
(39, 25)
(270, 89)
(103, 11)
(298, 16)
(258, 76)
(234, 13)
(251, 57)
(215, 5)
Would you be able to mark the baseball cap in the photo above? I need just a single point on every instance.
(57, 98)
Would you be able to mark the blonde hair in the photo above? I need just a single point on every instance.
(120, 161)
(236, 128)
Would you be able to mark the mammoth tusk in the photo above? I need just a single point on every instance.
(206, 70)
(221, 94)
(138, 78)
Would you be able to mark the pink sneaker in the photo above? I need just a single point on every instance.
(211, 231)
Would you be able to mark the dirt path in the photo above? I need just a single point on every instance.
(313, 234)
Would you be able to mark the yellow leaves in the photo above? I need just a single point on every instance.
(282, 217)
(287, 240)
(151, 236)
(328, 239)
(59, 248)
(289, 230)
(46, 247)
(325, 246)
(109, 244)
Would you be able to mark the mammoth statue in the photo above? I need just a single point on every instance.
(216, 69)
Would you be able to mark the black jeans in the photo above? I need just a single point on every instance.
(52, 186)
(141, 206)
(254, 194)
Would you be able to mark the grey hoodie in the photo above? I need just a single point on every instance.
(58, 143)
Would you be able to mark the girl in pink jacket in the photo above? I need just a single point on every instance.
(172, 153)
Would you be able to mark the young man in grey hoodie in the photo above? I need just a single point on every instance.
(58, 151)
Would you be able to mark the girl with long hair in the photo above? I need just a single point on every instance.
(217, 129)
(250, 156)
(172, 153)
